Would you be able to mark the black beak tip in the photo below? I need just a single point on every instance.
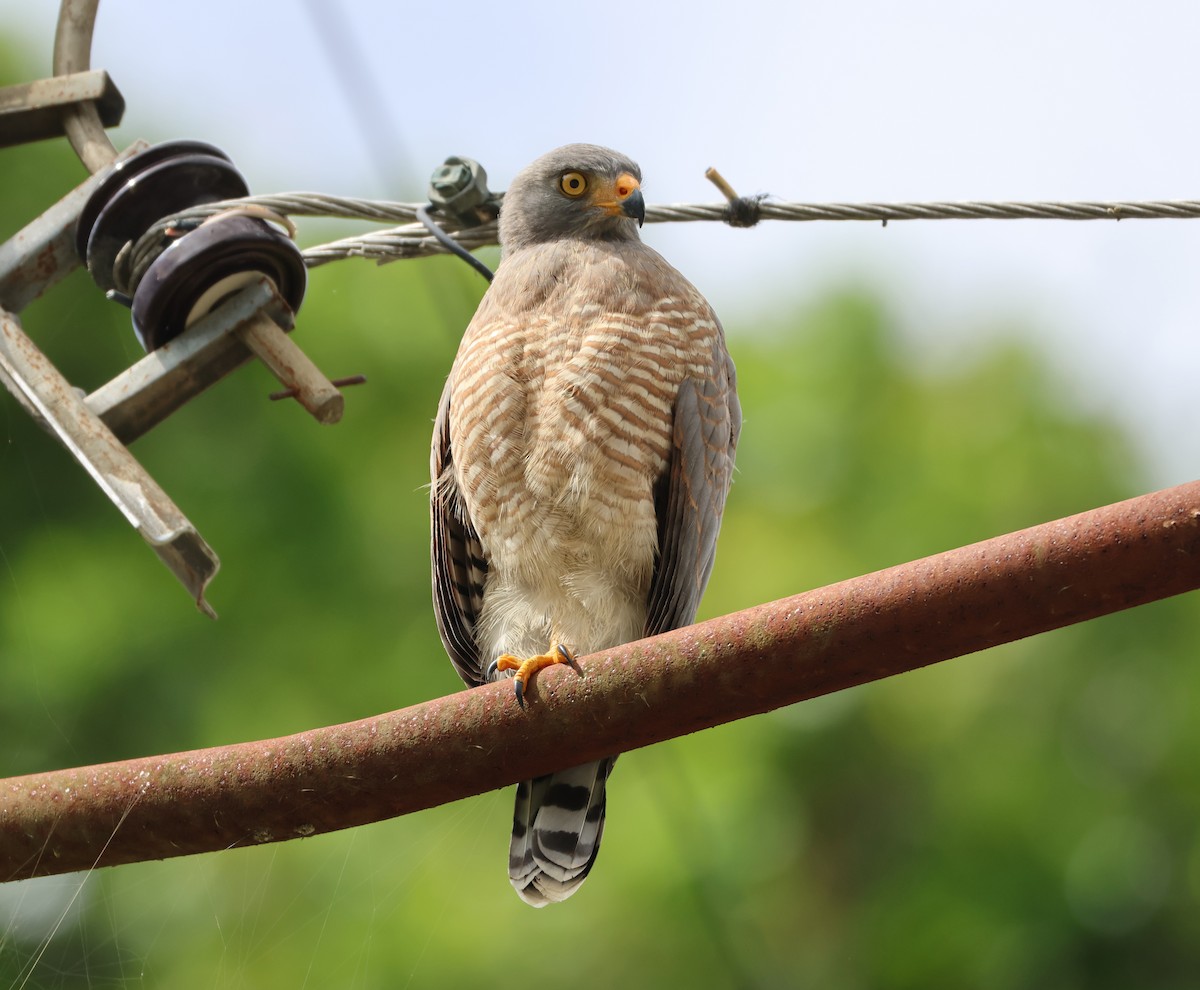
(635, 207)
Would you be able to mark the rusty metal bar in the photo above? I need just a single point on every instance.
(766, 657)
(49, 396)
(34, 111)
(170, 376)
(43, 253)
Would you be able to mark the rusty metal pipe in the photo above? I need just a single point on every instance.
(766, 657)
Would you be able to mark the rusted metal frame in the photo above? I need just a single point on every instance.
(167, 378)
(33, 111)
(766, 657)
(43, 253)
(95, 430)
(55, 403)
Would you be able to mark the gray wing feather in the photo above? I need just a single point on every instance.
(690, 496)
(459, 564)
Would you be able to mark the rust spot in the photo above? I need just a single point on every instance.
(45, 263)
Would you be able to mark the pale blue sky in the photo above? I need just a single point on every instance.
(817, 101)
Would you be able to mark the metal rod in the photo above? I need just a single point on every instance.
(766, 657)
(167, 378)
(33, 111)
(294, 369)
(73, 53)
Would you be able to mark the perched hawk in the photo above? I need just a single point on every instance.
(581, 457)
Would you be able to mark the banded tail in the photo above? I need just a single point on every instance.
(557, 826)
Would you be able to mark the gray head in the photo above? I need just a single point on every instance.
(578, 190)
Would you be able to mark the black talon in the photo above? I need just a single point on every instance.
(569, 659)
(520, 691)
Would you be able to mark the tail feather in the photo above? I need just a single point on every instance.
(557, 826)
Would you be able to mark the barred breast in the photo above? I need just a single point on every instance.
(561, 418)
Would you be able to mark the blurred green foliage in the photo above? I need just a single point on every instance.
(1022, 818)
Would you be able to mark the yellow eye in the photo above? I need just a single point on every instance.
(573, 184)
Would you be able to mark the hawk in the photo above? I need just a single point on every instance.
(581, 456)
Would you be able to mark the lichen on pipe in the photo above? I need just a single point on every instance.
(811, 644)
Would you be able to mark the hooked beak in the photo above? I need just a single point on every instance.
(635, 206)
(624, 198)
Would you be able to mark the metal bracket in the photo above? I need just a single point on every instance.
(34, 111)
(252, 321)
(43, 253)
(95, 429)
(43, 389)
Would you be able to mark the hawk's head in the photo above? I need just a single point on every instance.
(578, 190)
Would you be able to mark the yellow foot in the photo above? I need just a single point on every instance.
(528, 667)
